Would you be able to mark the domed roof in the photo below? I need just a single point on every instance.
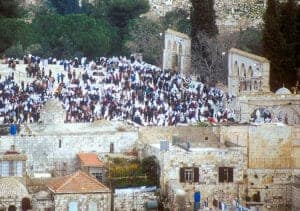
(10, 187)
(283, 91)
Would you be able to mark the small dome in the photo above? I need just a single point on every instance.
(10, 187)
(283, 91)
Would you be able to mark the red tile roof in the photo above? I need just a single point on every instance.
(78, 182)
(90, 159)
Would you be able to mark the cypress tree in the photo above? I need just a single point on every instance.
(289, 32)
(274, 44)
(203, 18)
(203, 26)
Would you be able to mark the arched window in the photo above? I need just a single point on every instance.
(235, 69)
(92, 206)
(73, 206)
(261, 115)
(250, 72)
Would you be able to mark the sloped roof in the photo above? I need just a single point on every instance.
(90, 159)
(78, 182)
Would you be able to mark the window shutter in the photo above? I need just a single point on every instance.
(221, 174)
(196, 174)
(230, 174)
(181, 175)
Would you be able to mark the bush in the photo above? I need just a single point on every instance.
(15, 51)
(145, 36)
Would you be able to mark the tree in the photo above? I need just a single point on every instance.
(10, 9)
(203, 25)
(212, 67)
(274, 44)
(65, 7)
(120, 12)
(145, 36)
(291, 35)
(63, 36)
(203, 18)
(15, 30)
(250, 40)
(178, 20)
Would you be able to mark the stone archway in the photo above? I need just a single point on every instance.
(26, 204)
(261, 115)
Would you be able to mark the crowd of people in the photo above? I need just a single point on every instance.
(22, 103)
(114, 88)
(140, 93)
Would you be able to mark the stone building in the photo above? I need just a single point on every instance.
(264, 159)
(177, 52)
(215, 171)
(248, 81)
(79, 191)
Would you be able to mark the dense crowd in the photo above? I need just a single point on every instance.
(22, 103)
(141, 93)
(114, 88)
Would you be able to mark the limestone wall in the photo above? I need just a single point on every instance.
(58, 152)
(103, 201)
(132, 198)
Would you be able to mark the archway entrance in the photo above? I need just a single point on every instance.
(26, 204)
(261, 115)
(12, 208)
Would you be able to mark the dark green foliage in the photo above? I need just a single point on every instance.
(178, 20)
(151, 169)
(13, 31)
(10, 9)
(292, 39)
(62, 36)
(280, 42)
(146, 37)
(65, 7)
(250, 40)
(203, 18)
(203, 24)
(15, 51)
(120, 12)
(274, 43)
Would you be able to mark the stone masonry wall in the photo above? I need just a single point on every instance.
(208, 161)
(45, 154)
(132, 200)
(103, 201)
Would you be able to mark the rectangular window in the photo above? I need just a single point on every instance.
(5, 169)
(225, 174)
(190, 174)
(73, 206)
(99, 176)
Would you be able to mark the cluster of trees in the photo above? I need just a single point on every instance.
(66, 29)
(281, 42)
